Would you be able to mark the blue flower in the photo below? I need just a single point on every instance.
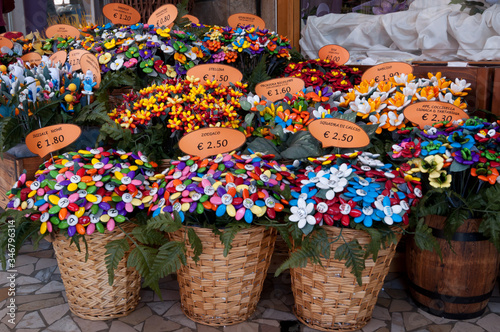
(460, 141)
(431, 148)
(369, 215)
(305, 193)
(391, 213)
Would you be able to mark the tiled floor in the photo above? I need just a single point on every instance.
(43, 307)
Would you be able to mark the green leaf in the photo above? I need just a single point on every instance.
(249, 117)
(115, 251)
(169, 258)
(424, 239)
(196, 244)
(246, 106)
(302, 145)
(490, 227)
(353, 255)
(147, 235)
(264, 146)
(141, 258)
(457, 167)
(299, 258)
(454, 221)
(259, 74)
(164, 223)
(229, 233)
(375, 243)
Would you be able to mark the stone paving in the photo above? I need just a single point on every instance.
(42, 306)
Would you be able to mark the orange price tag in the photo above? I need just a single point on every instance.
(192, 19)
(32, 58)
(119, 13)
(62, 30)
(163, 16)
(339, 133)
(211, 141)
(224, 74)
(59, 57)
(89, 62)
(74, 59)
(6, 42)
(429, 112)
(385, 71)
(246, 19)
(334, 53)
(52, 138)
(277, 88)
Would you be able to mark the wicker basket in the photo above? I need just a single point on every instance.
(225, 290)
(329, 298)
(86, 283)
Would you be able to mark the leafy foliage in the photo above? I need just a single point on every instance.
(229, 233)
(115, 251)
(196, 244)
(259, 74)
(353, 254)
(23, 229)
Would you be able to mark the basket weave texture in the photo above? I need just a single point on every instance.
(329, 298)
(89, 294)
(224, 290)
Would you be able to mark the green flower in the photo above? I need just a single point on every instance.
(147, 66)
(132, 52)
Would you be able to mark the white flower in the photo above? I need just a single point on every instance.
(401, 79)
(391, 212)
(140, 38)
(128, 42)
(369, 159)
(459, 85)
(360, 106)
(167, 49)
(320, 113)
(117, 64)
(410, 89)
(191, 55)
(120, 35)
(396, 120)
(302, 213)
(447, 98)
(334, 183)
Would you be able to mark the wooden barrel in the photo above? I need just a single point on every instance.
(459, 286)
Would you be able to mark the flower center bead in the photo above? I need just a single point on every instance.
(248, 203)
(226, 199)
(322, 207)
(361, 192)
(301, 213)
(345, 209)
(209, 190)
(367, 210)
(388, 211)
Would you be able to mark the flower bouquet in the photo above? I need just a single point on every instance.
(85, 197)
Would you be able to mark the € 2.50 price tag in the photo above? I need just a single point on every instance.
(429, 112)
(52, 138)
(211, 141)
(277, 88)
(385, 71)
(223, 74)
(339, 133)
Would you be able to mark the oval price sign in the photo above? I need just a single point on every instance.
(211, 141)
(74, 57)
(119, 13)
(429, 112)
(246, 19)
(32, 58)
(52, 138)
(385, 71)
(192, 19)
(277, 88)
(339, 133)
(224, 74)
(334, 53)
(163, 16)
(62, 30)
(6, 42)
(89, 62)
(59, 57)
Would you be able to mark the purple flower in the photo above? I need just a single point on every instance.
(145, 53)
(218, 57)
(152, 44)
(179, 69)
(466, 157)
(104, 69)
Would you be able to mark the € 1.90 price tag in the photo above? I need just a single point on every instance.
(385, 71)
(211, 141)
(277, 88)
(339, 133)
(429, 112)
(223, 74)
(52, 138)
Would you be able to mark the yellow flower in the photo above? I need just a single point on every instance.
(180, 57)
(432, 164)
(111, 44)
(105, 58)
(440, 179)
(163, 32)
(171, 71)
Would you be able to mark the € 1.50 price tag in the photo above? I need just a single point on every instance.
(429, 112)
(52, 138)
(211, 141)
(223, 74)
(277, 88)
(339, 133)
(385, 71)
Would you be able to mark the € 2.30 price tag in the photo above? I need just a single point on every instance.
(163, 16)
(119, 13)
(52, 138)
(223, 74)
(429, 112)
(211, 141)
(385, 71)
(339, 133)
(277, 88)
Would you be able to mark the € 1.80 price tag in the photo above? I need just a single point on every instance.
(277, 88)
(385, 71)
(223, 74)
(119, 13)
(429, 112)
(334, 53)
(211, 141)
(163, 16)
(52, 138)
(339, 133)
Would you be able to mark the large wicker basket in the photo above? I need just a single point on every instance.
(225, 290)
(329, 298)
(86, 282)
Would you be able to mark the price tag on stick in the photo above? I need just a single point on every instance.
(277, 88)
(59, 57)
(163, 16)
(334, 53)
(246, 19)
(429, 112)
(385, 71)
(74, 58)
(52, 138)
(32, 58)
(119, 13)
(223, 74)
(62, 30)
(90, 62)
(211, 141)
(339, 133)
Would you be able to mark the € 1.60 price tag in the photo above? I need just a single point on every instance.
(334, 53)
(339, 133)
(277, 88)
(52, 138)
(163, 16)
(211, 141)
(429, 112)
(223, 74)
(119, 13)
(385, 71)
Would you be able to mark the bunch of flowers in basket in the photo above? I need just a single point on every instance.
(324, 73)
(83, 191)
(175, 108)
(245, 46)
(382, 103)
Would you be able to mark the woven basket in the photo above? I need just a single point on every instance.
(225, 290)
(329, 298)
(86, 283)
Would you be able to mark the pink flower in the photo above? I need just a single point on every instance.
(130, 63)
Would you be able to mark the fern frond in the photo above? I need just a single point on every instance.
(115, 251)
(353, 255)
